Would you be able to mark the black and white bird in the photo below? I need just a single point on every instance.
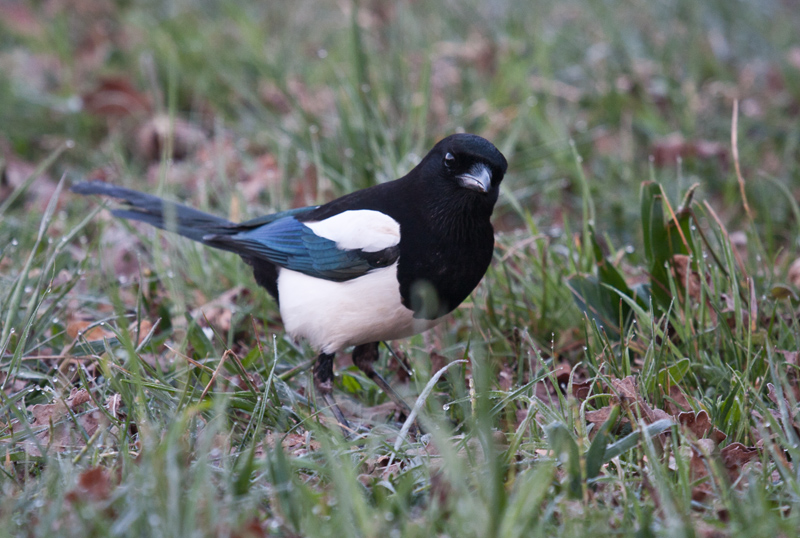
(382, 263)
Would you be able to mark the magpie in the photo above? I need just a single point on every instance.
(378, 264)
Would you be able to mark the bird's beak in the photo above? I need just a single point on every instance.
(479, 178)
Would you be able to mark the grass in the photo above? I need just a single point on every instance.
(631, 356)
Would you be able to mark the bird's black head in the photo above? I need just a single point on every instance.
(464, 169)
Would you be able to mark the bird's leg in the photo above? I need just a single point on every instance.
(364, 356)
(323, 383)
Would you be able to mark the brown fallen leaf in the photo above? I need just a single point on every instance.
(20, 19)
(218, 312)
(58, 430)
(699, 425)
(735, 456)
(581, 390)
(677, 402)
(265, 176)
(626, 394)
(153, 136)
(690, 284)
(253, 528)
(115, 97)
(93, 485)
(14, 171)
(666, 151)
(87, 329)
(295, 444)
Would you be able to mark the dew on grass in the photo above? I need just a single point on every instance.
(14, 242)
(446, 407)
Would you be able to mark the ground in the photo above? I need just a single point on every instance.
(628, 366)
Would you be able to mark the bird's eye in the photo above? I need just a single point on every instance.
(449, 159)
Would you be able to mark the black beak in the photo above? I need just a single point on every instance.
(479, 178)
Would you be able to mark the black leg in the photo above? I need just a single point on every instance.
(364, 356)
(323, 383)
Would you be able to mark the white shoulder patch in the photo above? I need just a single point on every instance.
(365, 229)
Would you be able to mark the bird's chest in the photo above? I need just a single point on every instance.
(437, 273)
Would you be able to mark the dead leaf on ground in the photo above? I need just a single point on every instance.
(87, 329)
(699, 425)
(735, 456)
(478, 51)
(677, 402)
(15, 171)
(252, 529)
(794, 273)
(218, 313)
(59, 431)
(582, 389)
(161, 131)
(265, 177)
(294, 444)
(626, 394)
(115, 97)
(93, 485)
(19, 19)
(668, 150)
(686, 276)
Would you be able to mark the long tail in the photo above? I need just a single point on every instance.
(160, 213)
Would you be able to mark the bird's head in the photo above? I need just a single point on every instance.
(466, 166)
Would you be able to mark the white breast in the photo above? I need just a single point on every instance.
(334, 315)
